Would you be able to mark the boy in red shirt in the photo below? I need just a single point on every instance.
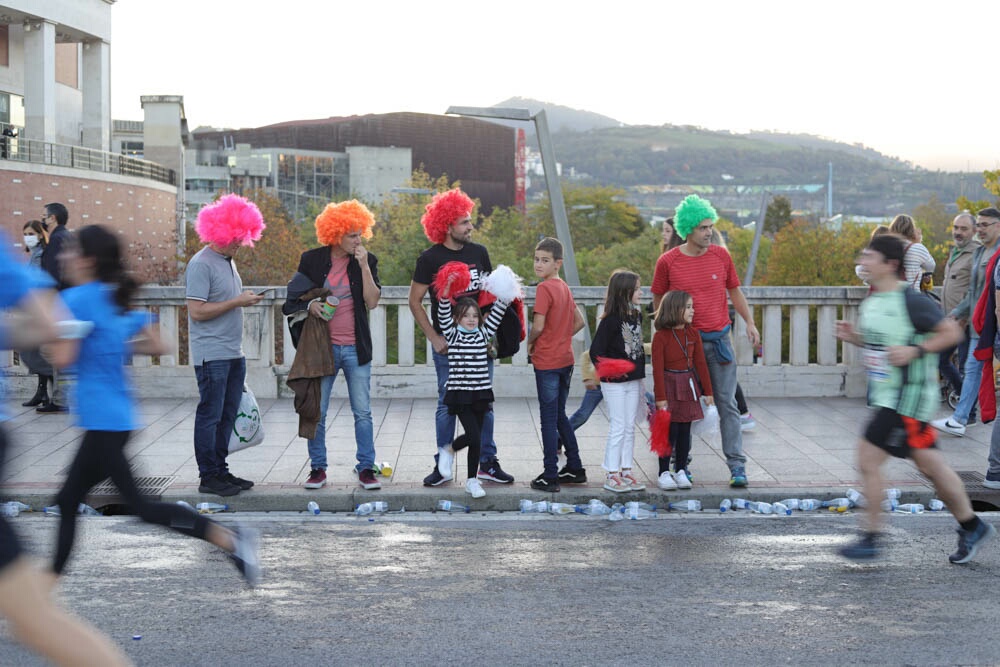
(550, 344)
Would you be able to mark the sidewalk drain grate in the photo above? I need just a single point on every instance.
(148, 486)
(972, 479)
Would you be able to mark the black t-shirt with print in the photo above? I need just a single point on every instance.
(472, 254)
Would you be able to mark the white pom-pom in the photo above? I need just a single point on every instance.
(504, 284)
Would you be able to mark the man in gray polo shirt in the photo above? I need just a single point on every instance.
(215, 301)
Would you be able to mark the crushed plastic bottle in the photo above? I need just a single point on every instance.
(910, 508)
(889, 505)
(52, 510)
(893, 494)
(617, 512)
(9, 510)
(528, 506)
(375, 507)
(21, 507)
(685, 506)
(760, 507)
(594, 508)
(790, 503)
(837, 503)
(809, 504)
(449, 506)
(636, 513)
(645, 506)
(856, 497)
(87, 510)
(740, 503)
(186, 504)
(313, 507)
(935, 505)
(781, 509)
(211, 508)
(725, 505)
(561, 508)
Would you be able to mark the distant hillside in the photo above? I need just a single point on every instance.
(560, 118)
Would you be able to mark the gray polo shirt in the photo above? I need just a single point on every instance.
(213, 277)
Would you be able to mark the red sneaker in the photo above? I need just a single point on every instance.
(317, 479)
(367, 479)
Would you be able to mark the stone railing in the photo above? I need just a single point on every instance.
(799, 357)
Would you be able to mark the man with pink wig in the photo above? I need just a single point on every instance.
(215, 301)
(341, 268)
(448, 225)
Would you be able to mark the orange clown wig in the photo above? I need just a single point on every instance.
(345, 217)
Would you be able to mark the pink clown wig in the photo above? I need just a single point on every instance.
(445, 209)
(232, 218)
(345, 217)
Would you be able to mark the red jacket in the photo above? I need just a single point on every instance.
(984, 321)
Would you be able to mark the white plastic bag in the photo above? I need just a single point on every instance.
(710, 424)
(247, 429)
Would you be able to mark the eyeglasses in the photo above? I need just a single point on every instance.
(986, 225)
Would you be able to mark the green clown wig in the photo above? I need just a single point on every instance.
(690, 212)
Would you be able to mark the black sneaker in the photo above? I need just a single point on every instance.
(244, 484)
(435, 478)
(217, 486)
(567, 476)
(542, 483)
(245, 555)
(51, 408)
(969, 542)
(490, 470)
(865, 549)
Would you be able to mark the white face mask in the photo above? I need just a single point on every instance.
(30, 241)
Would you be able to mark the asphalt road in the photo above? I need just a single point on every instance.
(508, 589)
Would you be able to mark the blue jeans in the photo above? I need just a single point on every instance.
(724, 386)
(444, 424)
(553, 390)
(591, 399)
(345, 358)
(220, 387)
(970, 384)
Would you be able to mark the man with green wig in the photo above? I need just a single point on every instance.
(706, 272)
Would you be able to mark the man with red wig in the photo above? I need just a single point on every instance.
(215, 301)
(448, 225)
(341, 268)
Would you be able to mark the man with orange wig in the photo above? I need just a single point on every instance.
(340, 282)
(448, 225)
(215, 301)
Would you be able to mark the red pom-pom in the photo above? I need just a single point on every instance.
(609, 369)
(659, 434)
(451, 279)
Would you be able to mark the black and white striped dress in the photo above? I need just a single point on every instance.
(468, 357)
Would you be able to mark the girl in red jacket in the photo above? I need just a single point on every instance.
(680, 376)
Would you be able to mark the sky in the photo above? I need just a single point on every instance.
(911, 80)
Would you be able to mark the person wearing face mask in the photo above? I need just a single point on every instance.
(36, 240)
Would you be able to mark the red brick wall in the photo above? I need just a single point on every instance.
(143, 216)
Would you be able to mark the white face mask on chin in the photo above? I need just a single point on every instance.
(30, 241)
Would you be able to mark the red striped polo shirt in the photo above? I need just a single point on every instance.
(707, 278)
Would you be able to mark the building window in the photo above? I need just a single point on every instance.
(132, 149)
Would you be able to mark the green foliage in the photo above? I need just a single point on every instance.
(778, 215)
(597, 215)
(739, 241)
(805, 254)
(991, 182)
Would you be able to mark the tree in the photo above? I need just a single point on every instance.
(778, 215)
(804, 254)
(597, 216)
(991, 181)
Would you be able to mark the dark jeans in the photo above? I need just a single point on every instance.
(102, 454)
(220, 385)
(741, 401)
(553, 390)
(948, 370)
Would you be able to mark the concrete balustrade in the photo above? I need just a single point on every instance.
(800, 355)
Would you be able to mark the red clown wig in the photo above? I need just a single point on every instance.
(228, 220)
(342, 218)
(445, 209)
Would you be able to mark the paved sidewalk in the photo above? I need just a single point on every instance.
(800, 448)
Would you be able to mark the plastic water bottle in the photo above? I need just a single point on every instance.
(645, 506)
(910, 508)
(837, 503)
(9, 510)
(639, 513)
(809, 504)
(593, 508)
(893, 494)
(760, 507)
(375, 507)
(449, 506)
(935, 505)
(685, 506)
(87, 510)
(52, 510)
(740, 503)
(211, 508)
(561, 508)
(528, 506)
(184, 503)
(725, 505)
(889, 504)
(856, 497)
(790, 503)
(313, 507)
(617, 512)
(781, 509)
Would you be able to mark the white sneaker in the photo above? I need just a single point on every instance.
(683, 481)
(474, 488)
(446, 457)
(747, 422)
(949, 425)
(666, 481)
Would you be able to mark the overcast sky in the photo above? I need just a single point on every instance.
(914, 80)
